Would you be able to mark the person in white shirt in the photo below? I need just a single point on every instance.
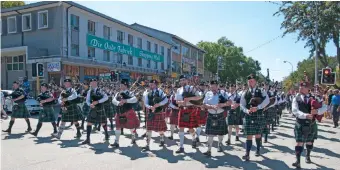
(234, 117)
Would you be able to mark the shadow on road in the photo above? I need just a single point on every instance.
(42, 140)
(273, 164)
(14, 136)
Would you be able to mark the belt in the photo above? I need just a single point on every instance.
(187, 107)
(215, 114)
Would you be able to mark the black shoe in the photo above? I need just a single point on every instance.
(308, 160)
(220, 148)
(296, 164)
(144, 135)
(257, 153)
(180, 150)
(145, 148)
(246, 157)
(34, 134)
(115, 145)
(194, 144)
(86, 142)
(237, 138)
(171, 137)
(133, 141)
(28, 130)
(161, 144)
(8, 131)
(265, 141)
(107, 138)
(207, 153)
(227, 142)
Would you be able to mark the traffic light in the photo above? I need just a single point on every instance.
(113, 76)
(328, 77)
(40, 69)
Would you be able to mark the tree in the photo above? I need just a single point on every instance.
(235, 64)
(303, 16)
(10, 4)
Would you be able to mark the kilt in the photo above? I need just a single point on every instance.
(158, 123)
(86, 110)
(254, 123)
(234, 117)
(310, 137)
(132, 120)
(47, 114)
(270, 115)
(220, 128)
(97, 115)
(109, 110)
(168, 112)
(174, 116)
(192, 123)
(72, 114)
(20, 111)
(202, 116)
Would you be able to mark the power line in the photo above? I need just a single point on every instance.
(268, 42)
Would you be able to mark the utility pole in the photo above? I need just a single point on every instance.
(316, 46)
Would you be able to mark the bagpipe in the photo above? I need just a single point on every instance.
(315, 104)
(192, 93)
(256, 98)
(44, 96)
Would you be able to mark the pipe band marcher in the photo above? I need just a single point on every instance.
(252, 102)
(68, 100)
(188, 113)
(125, 115)
(269, 112)
(305, 129)
(216, 124)
(109, 108)
(19, 110)
(154, 102)
(234, 117)
(174, 114)
(95, 98)
(46, 100)
(85, 107)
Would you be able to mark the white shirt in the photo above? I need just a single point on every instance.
(212, 99)
(161, 94)
(102, 100)
(179, 97)
(71, 97)
(171, 105)
(299, 114)
(133, 98)
(243, 102)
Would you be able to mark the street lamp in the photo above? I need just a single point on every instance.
(290, 65)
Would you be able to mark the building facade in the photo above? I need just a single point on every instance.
(72, 40)
(186, 58)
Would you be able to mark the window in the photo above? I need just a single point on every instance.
(26, 22)
(91, 27)
(120, 36)
(148, 47)
(91, 52)
(140, 62)
(75, 50)
(185, 51)
(193, 54)
(169, 58)
(74, 22)
(148, 64)
(156, 48)
(140, 43)
(156, 65)
(12, 24)
(106, 55)
(200, 57)
(42, 19)
(130, 60)
(119, 58)
(162, 50)
(162, 66)
(130, 40)
(107, 32)
(15, 63)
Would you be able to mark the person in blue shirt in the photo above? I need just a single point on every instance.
(335, 107)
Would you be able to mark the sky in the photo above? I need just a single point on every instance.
(247, 24)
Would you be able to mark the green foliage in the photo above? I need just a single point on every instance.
(235, 64)
(10, 4)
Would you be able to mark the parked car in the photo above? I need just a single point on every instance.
(32, 105)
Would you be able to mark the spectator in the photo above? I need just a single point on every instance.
(336, 108)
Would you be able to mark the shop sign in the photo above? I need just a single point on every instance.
(104, 44)
(53, 67)
(105, 76)
(124, 75)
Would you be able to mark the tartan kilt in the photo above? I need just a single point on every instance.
(270, 115)
(254, 123)
(72, 114)
(158, 123)
(174, 116)
(234, 117)
(220, 129)
(109, 110)
(202, 116)
(47, 114)
(299, 137)
(132, 120)
(168, 112)
(86, 110)
(97, 115)
(20, 111)
(193, 123)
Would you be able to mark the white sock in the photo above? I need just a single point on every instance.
(220, 139)
(148, 134)
(117, 133)
(181, 139)
(61, 128)
(172, 129)
(162, 137)
(210, 142)
(198, 131)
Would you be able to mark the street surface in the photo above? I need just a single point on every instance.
(23, 151)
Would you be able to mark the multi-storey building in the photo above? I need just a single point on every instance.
(73, 40)
(186, 58)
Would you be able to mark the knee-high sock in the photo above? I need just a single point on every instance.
(258, 143)
(309, 149)
(28, 123)
(220, 139)
(61, 128)
(148, 135)
(88, 132)
(78, 127)
(54, 127)
(111, 123)
(198, 131)
(11, 123)
(58, 120)
(181, 139)
(210, 142)
(298, 151)
(172, 129)
(105, 130)
(38, 127)
(249, 143)
(117, 133)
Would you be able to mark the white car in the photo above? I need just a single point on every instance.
(32, 105)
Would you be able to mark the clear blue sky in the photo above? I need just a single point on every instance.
(247, 24)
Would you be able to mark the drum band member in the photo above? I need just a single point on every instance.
(234, 117)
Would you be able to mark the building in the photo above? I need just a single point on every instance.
(186, 58)
(72, 40)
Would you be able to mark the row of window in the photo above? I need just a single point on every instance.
(26, 20)
(15, 63)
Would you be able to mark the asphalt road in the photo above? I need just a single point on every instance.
(22, 151)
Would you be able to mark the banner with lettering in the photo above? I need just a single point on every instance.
(104, 44)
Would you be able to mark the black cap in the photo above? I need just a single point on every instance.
(154, 81)
(16, 82)
(67, 80)
(93, 79)
(44, 84)
(182, 76)
(233, 85)
(251, 76)
(125, 82)
(213, 82)
(202, 84)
